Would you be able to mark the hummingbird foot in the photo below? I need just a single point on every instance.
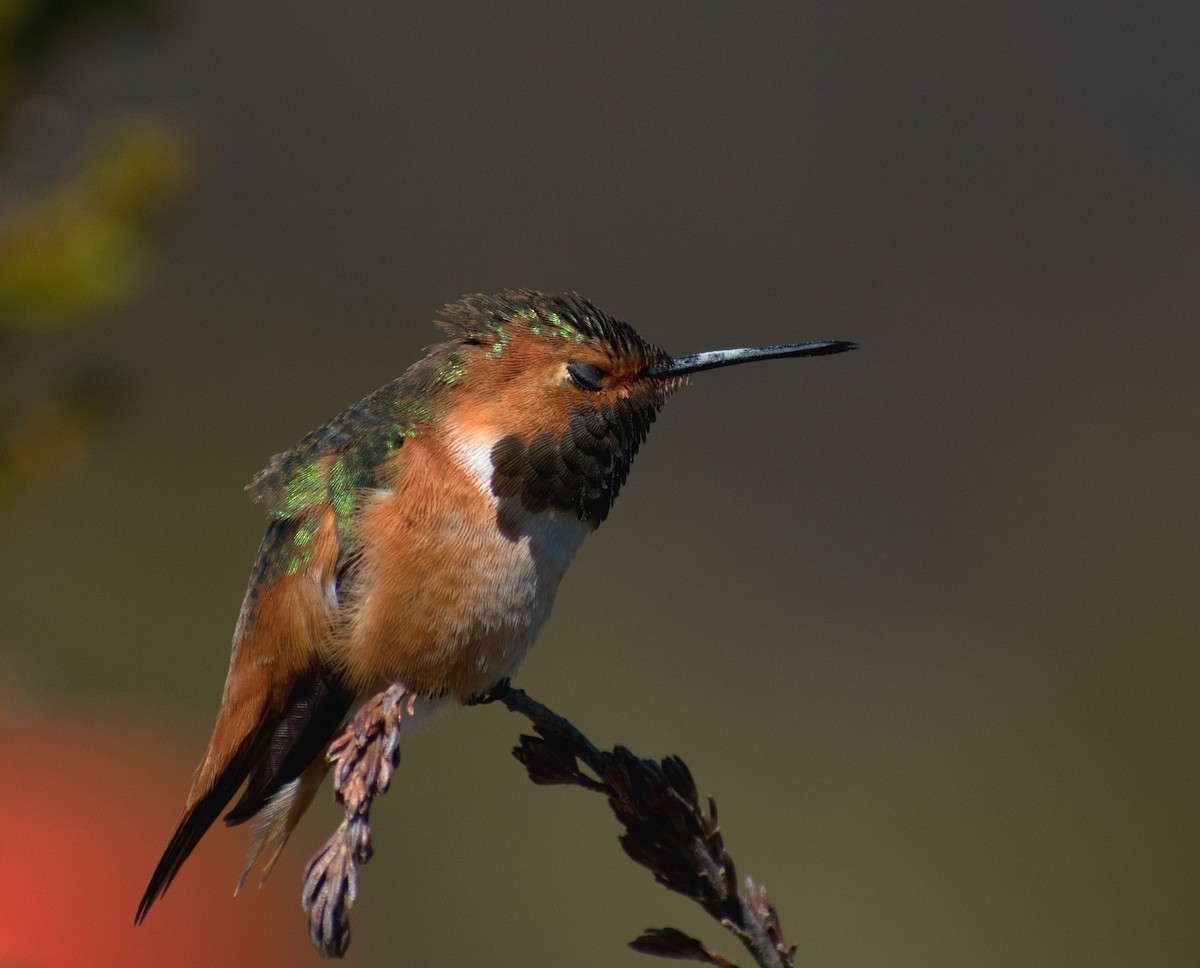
(493, 694)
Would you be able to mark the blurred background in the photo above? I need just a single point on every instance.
(921, 618)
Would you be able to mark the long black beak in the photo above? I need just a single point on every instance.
(696, 362)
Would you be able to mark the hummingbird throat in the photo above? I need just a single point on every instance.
(582, 469)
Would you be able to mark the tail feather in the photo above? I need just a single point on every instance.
(281, 763)
(275, 822)
(314, 710)
(279, 707)
(196, 820)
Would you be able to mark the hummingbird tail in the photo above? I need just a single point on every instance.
(285, 781)
(196, 819)
(282, 763)
(281, 705)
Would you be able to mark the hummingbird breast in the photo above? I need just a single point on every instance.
(453, 582)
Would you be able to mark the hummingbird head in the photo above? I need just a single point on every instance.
(565, 393)
(559, 350)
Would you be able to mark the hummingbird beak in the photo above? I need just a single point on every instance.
(682, 365)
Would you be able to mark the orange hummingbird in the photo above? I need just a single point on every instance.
(419, 537)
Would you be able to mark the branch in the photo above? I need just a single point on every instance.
(667, 830)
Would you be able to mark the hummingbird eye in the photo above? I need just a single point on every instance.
(587, 376)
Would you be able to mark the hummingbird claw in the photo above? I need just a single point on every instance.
(496, 692)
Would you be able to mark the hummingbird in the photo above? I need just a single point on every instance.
(419, 537)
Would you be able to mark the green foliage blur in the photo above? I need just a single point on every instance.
(75, 242)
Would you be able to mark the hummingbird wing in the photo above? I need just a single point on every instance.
(283, 701)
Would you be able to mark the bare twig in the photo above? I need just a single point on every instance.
(667, 830)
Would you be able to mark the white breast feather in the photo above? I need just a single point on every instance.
(523, 574)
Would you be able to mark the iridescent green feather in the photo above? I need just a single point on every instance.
(489, 320)
(335, 464)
